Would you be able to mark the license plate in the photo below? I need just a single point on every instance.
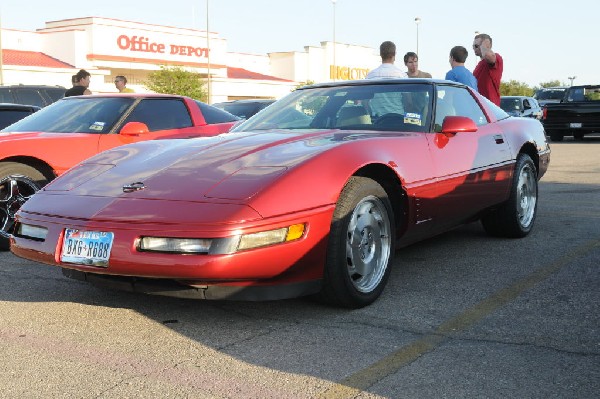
(575, 125)
(87, 247)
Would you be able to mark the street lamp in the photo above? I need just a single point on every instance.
(417, 22)
(334, 65)
(571, 78)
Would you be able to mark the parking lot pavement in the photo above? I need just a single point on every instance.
(464, 315)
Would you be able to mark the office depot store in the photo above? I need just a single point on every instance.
(108, 47)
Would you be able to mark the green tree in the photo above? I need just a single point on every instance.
(515, 88)
(176, 80)
(551, 83)
(301, 84)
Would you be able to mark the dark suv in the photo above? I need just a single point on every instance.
(31, 94)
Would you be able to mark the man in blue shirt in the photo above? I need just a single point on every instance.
(458, 73)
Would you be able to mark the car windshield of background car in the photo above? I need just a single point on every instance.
(378, 107)
(75, 115)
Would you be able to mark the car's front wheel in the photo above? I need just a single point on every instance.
(361, 245)
(18, 182)
(515, 217)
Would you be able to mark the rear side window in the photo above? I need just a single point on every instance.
(215, 115)
(8, 117)
(30, 97)
(161, 114)
(6, 95)
(55, 94)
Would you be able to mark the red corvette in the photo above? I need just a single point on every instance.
(311, 196)
(37, 149)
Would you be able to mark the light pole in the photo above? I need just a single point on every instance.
(571, 78)
(334, 74)
(417, 22)
(207, 57)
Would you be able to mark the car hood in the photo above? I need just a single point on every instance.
(231, 167)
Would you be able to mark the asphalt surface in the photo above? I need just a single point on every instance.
(463, 316)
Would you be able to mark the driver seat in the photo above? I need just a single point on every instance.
(353, 115)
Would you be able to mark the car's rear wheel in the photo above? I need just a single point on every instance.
(18, 182)
(361, 245)
(515, 217)
(557, 136)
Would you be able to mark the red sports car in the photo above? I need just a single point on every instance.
(310, 196)
(35, 150)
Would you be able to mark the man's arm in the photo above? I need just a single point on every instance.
(486, 52)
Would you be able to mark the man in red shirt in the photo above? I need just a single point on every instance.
(489, 70)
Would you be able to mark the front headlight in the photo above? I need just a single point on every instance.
(222, 246)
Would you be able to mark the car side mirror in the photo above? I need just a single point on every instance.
(134, 129)
(458, 124)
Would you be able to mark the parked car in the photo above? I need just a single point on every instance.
(315, 204)
(37, 95)
(550, 95)
(244, 108)
(521, 106)
(577, 114)
(35, 150)
(10, 113)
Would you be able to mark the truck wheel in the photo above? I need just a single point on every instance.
(361, 245)
(515, 217)
(18, 182)
(557, 136)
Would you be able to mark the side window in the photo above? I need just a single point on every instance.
(526, 104)
(30, 97)
(161, 114)
(456, 101)
(6, 96)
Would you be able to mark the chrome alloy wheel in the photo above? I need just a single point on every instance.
(368, 244)
(526, 195)
(15, 190)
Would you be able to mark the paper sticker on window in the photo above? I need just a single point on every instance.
(412, 118)
(97, 126)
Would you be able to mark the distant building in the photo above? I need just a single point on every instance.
(109, 47)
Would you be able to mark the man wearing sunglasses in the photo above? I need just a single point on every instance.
(489, 70)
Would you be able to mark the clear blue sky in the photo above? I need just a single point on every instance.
(539, 40)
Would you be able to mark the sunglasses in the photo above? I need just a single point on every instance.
(476, 46)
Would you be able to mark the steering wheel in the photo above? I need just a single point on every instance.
(390, 119)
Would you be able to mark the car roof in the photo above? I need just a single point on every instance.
(367, 82)
(248, 101)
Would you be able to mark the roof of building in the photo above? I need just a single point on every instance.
(241, 73)
(32, 58)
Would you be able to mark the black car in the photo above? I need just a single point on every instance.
(10, 113)
(521, 106)
(244, 108)
(38, 95)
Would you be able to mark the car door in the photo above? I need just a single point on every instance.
(164, 117)
(470, 166)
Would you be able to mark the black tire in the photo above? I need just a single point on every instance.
(18, 182)
(361, 245)
(557, 136)
(514, 218)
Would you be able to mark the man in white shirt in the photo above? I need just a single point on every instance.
(387, 69)
(390, 102)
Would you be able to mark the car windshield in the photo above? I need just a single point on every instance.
(76, 115)
(378, 106)
(510, 104)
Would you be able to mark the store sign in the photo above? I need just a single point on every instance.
(346, 73)
(144, 45)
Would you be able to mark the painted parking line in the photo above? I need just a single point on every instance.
(356, 383)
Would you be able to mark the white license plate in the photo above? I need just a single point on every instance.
(575, 125)
(87, 247)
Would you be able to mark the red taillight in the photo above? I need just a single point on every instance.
(544, 112)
